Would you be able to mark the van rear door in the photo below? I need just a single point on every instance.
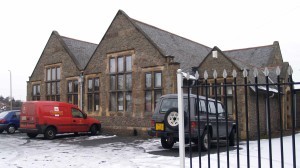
(28, 115)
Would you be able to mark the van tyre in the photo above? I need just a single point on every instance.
(94, 129)
(167, 142)
(50, 133)
(171, 119)
(31, 135)
(205, 142)
(1, 131)
(11, 129)
(232, 138)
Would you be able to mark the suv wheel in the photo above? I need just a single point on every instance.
(172, 119)
(205, 144)
(11, 129)
(232, 138)
(50, 133)
(167, 142)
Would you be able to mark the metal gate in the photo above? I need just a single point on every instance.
(261, 108)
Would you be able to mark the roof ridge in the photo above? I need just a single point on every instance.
(78, 40)
(249, 48)
(169, 32)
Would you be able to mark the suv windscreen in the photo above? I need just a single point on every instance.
(172, 103)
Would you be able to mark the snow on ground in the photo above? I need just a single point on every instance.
(115, 152)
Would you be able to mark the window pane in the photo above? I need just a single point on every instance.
(128, 82)
(112, 82)
(96, 86)
(53, 86)
(75, 86)
(53, 73)
(148, 80)
(70, 99)
(128, 64)
(157, 95)
(58, 73)
(75, 99)
(38, 91)
(229, 105)
(34, 90)
(148, 100)
(120, 101)
(112, 66)
(70, 87)
(57, 98)
(113, 102)
(157, 79)
(90, 85)
(120, 64)
(229, 90)
(202, 106)
(120, 82)
(128, 101)
(48, 74)
(96, 102)
(90, 102)
(48, 89)
(212, 107)
(57, 87)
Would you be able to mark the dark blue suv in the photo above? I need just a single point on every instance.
(9, 121)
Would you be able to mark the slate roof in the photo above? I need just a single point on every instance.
(256, 56)
(82, 51)
(186, 52)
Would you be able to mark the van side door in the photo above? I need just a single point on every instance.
(79, 124)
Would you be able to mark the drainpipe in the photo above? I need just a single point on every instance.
(81, 91)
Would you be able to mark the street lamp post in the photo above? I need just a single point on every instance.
(10, 90)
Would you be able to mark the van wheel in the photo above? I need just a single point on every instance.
(11, 129)
(167, 142)
(232, 138)
(31, 135)
(205, 144)
(94, 129)
(50, 133)
(1, 131)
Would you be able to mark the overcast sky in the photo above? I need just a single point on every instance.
(27, 25)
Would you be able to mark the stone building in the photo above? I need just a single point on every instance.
(118, 80)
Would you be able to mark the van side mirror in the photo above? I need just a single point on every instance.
(84, 115)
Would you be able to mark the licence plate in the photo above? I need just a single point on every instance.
(159, 127)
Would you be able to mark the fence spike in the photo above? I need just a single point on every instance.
(205, 75)
(234, 74)
(215, 74)
(290, 70)
(224, 73)
(255, 72)
(266, 71)
(277, 71)
(245, 73)
(197, 75)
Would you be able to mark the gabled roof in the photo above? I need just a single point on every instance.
(186, 52)
(82, 51)
(256, 56)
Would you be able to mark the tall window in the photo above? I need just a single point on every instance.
(153, 89)
(73, 91)
(93, 94)
(36, 92)
(53, 83)
(120, 83)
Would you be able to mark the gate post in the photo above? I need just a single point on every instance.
(181, 119)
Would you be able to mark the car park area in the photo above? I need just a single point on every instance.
(83, 150)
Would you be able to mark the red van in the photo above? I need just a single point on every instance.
(51, 118)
